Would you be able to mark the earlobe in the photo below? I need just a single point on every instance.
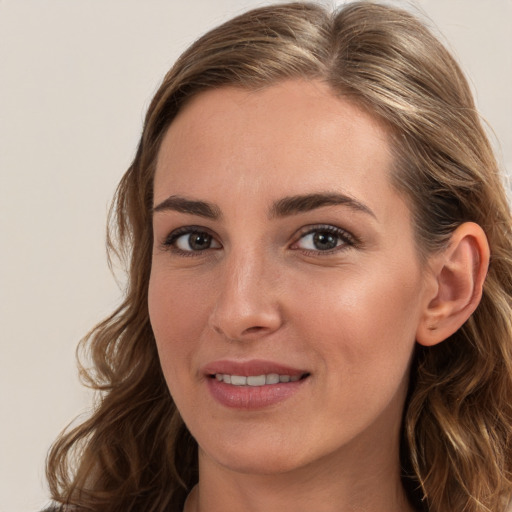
(459, 274)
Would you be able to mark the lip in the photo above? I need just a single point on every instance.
(248, 368)
(248, 397)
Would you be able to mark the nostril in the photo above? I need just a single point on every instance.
(252, 330)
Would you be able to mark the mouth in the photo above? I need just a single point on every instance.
(268, 379)
(253, 385)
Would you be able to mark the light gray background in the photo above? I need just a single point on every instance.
(76, 78)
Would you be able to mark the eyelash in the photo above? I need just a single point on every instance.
(172, 238)
(345, 239)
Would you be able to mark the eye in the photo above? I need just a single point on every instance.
(324, 239)
(190, 240)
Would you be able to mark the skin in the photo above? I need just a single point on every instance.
(263, 290)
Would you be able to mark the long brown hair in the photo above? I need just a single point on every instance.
(134, 452)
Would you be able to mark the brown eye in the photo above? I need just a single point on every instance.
(325, 241)
(195, 241)
(324, 238)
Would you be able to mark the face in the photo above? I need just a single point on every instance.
(285, 288)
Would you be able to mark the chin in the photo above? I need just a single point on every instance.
(264, 454)
(255, 462)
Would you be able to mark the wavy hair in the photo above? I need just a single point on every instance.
(134, 452)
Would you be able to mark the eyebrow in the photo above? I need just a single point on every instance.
(284, 207)
(304, 203)
(190, 206)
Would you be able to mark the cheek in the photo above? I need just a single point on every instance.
(178, 312)
(362, 319)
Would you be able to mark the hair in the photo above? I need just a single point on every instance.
(134, 452)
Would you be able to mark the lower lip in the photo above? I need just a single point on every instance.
(252, 397)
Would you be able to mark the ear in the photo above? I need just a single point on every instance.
(457, 276)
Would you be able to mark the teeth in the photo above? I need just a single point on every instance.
(256, 380)
(237, 380)
(259, 380)
(272, 378)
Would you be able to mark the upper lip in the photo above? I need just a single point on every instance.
(248, 368)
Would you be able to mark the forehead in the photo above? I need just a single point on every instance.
(292, 138)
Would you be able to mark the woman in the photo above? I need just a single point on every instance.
(311, 320)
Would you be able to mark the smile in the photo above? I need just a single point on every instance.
(254, 384)
(256, 380)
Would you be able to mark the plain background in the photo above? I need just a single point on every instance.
(76, 79)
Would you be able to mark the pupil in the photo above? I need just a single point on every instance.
(199, 241)
(325, 241)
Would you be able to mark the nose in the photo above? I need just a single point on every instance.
(247, 306)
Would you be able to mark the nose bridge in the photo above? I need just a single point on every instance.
(246, 304)
(245, 273)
